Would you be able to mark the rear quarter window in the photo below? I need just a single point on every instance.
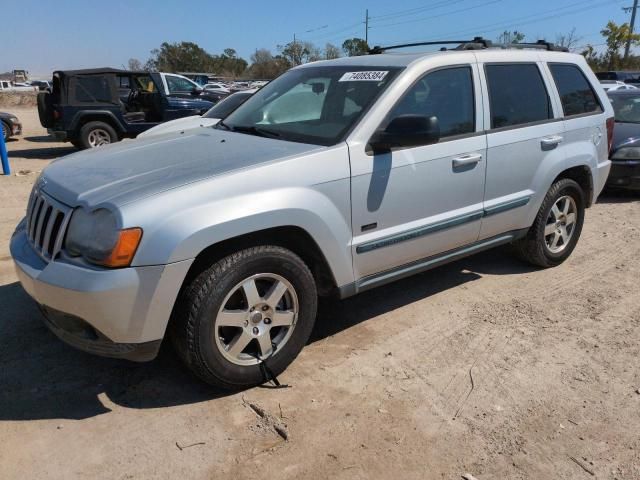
(517, 95)
(576, 93)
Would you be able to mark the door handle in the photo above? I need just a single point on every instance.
(549, 143)
(465, 160)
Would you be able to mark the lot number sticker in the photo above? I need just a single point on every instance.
(363, 76)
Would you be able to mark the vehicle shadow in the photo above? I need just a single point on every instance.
(618, 196)
(45, 153)
(40, 139)
(43, 378)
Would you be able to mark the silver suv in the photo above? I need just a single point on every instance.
(337, 177)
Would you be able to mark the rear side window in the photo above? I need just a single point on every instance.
(576, 93)
(91, 89)
(517, 95)
(446, 94)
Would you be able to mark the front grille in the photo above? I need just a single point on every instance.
(47, 222)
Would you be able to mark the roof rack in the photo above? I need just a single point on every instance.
(478, 43)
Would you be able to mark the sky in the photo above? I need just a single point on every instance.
(45, 35)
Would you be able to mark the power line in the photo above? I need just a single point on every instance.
(414, 11)
(523, 20)
(444, 14)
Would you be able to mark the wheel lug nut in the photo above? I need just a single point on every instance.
(256, 330)
(265, 308)
(267, 321)
(246, 322)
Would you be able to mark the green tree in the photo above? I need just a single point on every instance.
(180, 57)
(331, 51)
(297, 53)
(511, 37)
(355, 46)
(134, 64)
(264, 65)
(616, 37)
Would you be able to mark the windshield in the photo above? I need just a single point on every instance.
(626, 108)
(317, 105)
(224, 107)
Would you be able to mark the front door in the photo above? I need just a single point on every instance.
(414, 203)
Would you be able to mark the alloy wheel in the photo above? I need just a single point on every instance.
(561, 224)
(256, 319)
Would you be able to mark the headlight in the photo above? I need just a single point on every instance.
(95, 236)
(627, 153)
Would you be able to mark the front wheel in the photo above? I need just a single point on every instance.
(557, 227)
(256, 305)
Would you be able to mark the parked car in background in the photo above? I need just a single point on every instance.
(42, 85)
(7, 86)
(620, 75)
(221, 239)
(11, 126)
(216, 87)
(91, 108)
(616, 85)
(625, 151)
(218, 112)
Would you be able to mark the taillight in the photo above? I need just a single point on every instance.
(610, 125)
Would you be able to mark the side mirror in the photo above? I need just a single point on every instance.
(406, 131)
(196, 91)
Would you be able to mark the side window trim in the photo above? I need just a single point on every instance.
(488, 107)
(478, 118)
(557, 87)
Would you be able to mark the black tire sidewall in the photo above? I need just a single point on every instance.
(88, 127)
(274, 262)
(5, 130)
(565, 187)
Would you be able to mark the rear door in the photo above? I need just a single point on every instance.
(525, 133)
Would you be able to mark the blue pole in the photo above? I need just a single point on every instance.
(4, 156)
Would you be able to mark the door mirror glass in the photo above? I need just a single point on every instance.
(406, 131)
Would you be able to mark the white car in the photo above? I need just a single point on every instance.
(616, 85)
(216, 87)
(209, 119)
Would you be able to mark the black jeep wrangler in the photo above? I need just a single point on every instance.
(95, 107)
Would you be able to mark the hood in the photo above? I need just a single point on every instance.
(625, 135)
(129, 170)
(179, 125)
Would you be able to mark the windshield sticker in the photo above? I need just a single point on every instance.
(363, 76)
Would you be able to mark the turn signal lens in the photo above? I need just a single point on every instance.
(125, 248)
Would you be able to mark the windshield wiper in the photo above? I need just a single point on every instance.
(253, 130)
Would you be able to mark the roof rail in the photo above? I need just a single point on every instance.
(478, 43)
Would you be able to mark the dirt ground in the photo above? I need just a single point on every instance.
(485, 366)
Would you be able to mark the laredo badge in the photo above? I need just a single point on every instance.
(363, 76)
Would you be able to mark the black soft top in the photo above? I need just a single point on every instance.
(92, 86)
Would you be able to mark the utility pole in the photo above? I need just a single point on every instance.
(366, 26)
(631, 27)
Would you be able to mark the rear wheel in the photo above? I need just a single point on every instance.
(557, 227)
(5, 131)
(97, 134)
(256, 305)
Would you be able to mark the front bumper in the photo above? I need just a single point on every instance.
(625, 175)
(120, 313)
(16, 128)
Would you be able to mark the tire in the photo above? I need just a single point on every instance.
(5, 131)
(77, 144)
(205, 346)
(96, 134)
(538, 248)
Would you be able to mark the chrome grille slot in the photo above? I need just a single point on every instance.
(47, 222)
